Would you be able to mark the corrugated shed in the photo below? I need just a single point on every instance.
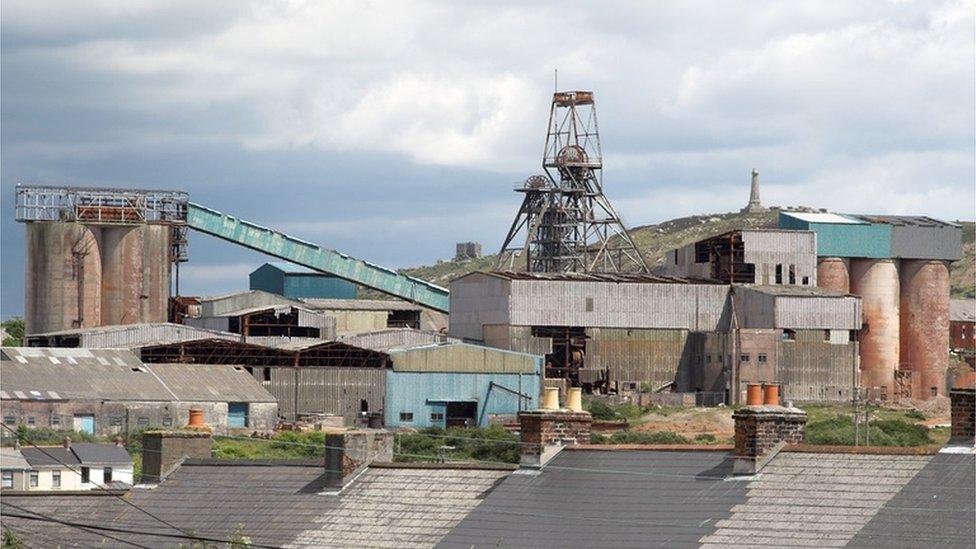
(210, 383)
(129, 336)
(463, 358)
(106, 374)
(648, 356)
(813, 370)
(222, 304)
(339, 391)
(768, 248)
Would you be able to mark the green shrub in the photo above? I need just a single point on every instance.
(839, 431)
(600, 410)
(705, 438)
(44, 436)
(915, 414)
(459, 443)
(640, 437)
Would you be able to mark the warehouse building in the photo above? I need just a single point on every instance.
(758, 256)
(459, 384)
(110, 391)
(624, 333)
(293, 281)
(270, 323)
(127, 336)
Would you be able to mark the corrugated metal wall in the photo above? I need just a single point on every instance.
(396, 337)
(798, 313)
(811, 369)
(655, 357)
(478, 299)
(767, 248)
(326, 390)
(138, 335)
(461, 357)
(516, 338)
(697, 307)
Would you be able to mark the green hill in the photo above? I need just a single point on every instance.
(655, 240)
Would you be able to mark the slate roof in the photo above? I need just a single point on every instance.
(11, 458)
(275, 503)
(211, 383)
(593, 498)
(49, 455)
(101, 454)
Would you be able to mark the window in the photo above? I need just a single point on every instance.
(267, 374)
(806, 281)
(762, 358)
(8, 479)
(31, 420)
(708, 359)
(237, 413)
(788, 335)
(826, 336)
(744, 357)
(437, 416)
(779, 274)
(406, 416)
(884, 392)
(33, 479)
(9, 420)
(167, 422)
(115, 421)
(85, 474)
(935, 391)
(792, 275)
(55, 479)
(589, 304)
(55, 420)
(106, 475)
(143, 420)
(249, 370)
(363, 405)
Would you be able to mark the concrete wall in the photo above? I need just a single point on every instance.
(425, 393)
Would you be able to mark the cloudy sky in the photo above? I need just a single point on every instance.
(390, 130)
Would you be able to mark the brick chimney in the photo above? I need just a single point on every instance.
(67, 442)
(761, 430)
(545, 431)
(163, 451)
(963, 402)
(347, 453)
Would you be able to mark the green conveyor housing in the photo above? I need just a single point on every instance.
(306, 254)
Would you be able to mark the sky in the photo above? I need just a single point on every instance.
(392, 130)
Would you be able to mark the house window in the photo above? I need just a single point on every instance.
(55, 420)
(266, 374)
(33, 479)
(437, 416)
(762, 358)
(85, 474)
(143, 420)
(935, 391)
(406, 416)
(237, 414)
(55, 479)
(8, 479)
(744, 357)
(106, 475)
(9, 420)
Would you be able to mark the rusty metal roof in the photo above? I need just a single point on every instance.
(595, 277)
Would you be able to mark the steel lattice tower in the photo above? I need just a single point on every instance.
(570, 225)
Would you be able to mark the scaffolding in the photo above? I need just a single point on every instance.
(101, 206)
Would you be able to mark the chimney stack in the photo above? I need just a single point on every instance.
(163, 451)
(347, 453)
(963, 403)
(67, 442)
(761, 430)
(545, 431)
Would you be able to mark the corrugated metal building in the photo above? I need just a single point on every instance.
(110, 391)
(270, 321)
(128, 336)
(459, 384)
(636, 332)
(396, 338)
(294, 281)
(757, 256)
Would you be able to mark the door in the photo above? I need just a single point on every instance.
(462, 414)
(237, 414)
(84, 424)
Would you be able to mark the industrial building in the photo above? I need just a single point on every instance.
(624, 333)
(899, 266)
(459, 384)
(110, 391)
(126, 336)
(293, 281)
(758, 256)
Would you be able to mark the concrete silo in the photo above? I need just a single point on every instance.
(925, 325)
(97, 256)
(833, 273)
(876, 281)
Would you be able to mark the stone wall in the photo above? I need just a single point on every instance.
(164, 450)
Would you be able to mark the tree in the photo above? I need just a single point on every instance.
(15, 328)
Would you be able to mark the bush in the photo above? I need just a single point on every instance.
(915, 414)
(839, 431)
(638, 437)
(600, 410)
(44, 436)
(705, 438)
(464, 443)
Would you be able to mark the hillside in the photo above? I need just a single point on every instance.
(655, 240)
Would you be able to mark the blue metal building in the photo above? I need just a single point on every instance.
(290, 280)
(459, 384)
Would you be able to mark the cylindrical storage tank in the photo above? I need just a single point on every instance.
(876, 282)
(63, 277)
(925, 325)
(833, 273)
(135, 274)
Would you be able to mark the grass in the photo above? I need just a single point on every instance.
(639, 437)
(459, 443)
